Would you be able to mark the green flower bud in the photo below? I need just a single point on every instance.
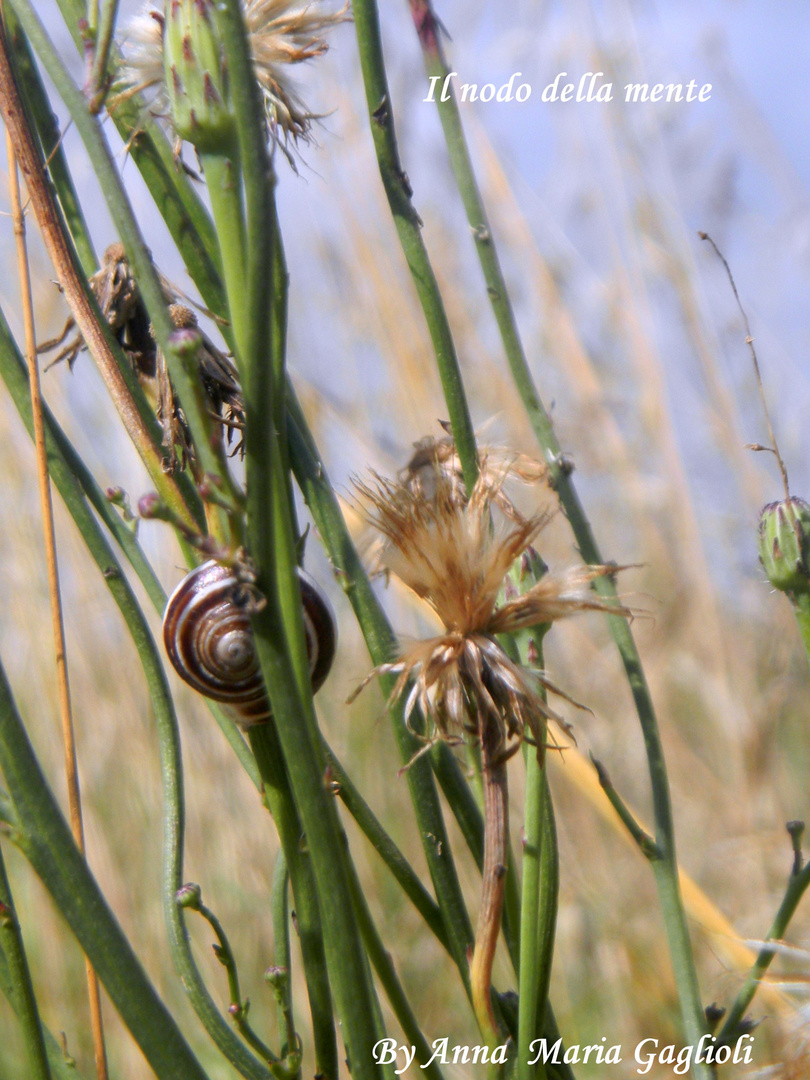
(783, 553)
(196, 76)
(189, 896)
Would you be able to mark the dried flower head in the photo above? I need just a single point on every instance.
(455, 553)
(218, 377)
(280, 32)
(439, 457)
(121, 305)
(120, 302)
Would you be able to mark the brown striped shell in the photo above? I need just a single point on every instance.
(209, 640)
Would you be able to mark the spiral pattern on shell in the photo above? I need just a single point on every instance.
(209, 639)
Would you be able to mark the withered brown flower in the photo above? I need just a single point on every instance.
(219, 379)
(455, 553)
(121, 305)
(120, 302)
(280, 33)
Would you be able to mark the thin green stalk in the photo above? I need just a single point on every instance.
(266, 749)
(282, 957)
(796, 888)
(408, 225)
(538, 913)
(62, 1066)
(646, 844)
(97, 86)
(237, 1009)
(223, 178)
(386, 973)
(801, 608)
(385, 847)
(22, 989)
(45, 839)
(428, 32)
(666, 870)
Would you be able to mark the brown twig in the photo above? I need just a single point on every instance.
(496, 848)
(749, 341)
(71, 765)
(76, 294)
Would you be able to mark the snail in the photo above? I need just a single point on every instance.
(209, 639)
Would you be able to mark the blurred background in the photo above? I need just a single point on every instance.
(636, 344)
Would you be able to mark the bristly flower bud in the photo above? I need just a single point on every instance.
(784, 545)
(196, 75)
(175, 57)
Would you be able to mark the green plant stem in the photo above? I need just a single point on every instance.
(801, 608)
(264, 742)
(538, 912)
(665, 869)
(120, 209)
(796, 888)
(223, 177)
(45, 839)
(386, 973)
(646, 844)
(387, 850)
(97, 86)
(11, 944)
(408, 225)
(428, 32)
(278, 628)
(237, 1009)
(312, 478)
(282, 957)
(71, 493)
(61, 1065)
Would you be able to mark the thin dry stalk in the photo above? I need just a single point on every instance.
(493, 883)
(71, 765)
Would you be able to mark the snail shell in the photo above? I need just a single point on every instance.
(209, 639)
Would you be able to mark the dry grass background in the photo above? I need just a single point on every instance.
(632, 334)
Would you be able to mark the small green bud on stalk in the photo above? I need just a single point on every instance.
(784, 546)
(784, 551)
(189, 896)
(278, 978)
(196, 76)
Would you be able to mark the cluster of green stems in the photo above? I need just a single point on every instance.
(236, 259)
